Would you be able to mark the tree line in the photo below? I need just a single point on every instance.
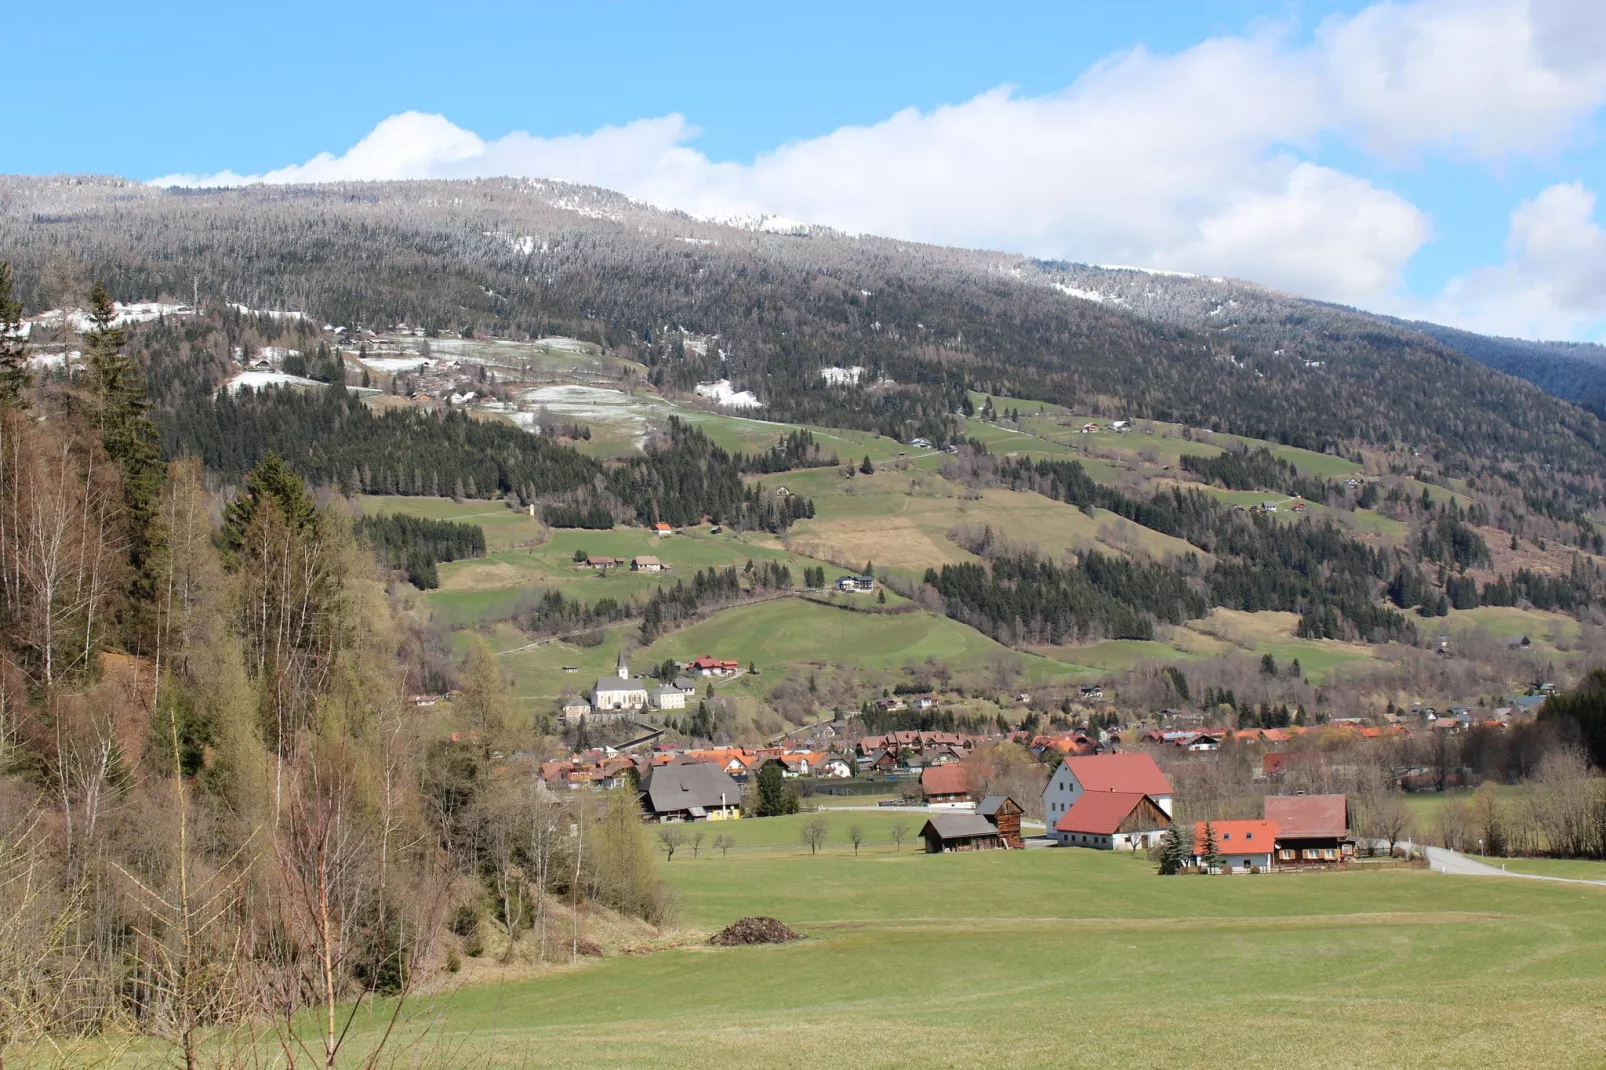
(415, 545)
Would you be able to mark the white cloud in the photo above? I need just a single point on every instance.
(1552, 283)
(1195, 161)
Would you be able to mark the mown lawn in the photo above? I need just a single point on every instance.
(1585, 869)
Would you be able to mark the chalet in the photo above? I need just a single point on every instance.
(1120, 425)
(620, 691)
(604, 563)
(941, 756)
(960, 832)
(856, 584)
(666, 697)
(1090, 693)
(1112, 821)
(696, 791)
(1242, 845)
(888, 705)
(1201, 741)
(946, 786)
(708, 665)
(1311, 829)
(1004, 814)
(885, 761)
(1088, 429)
(646, 563)
(834, 767)
(734, 762)
(1132, 774)
(924, 702)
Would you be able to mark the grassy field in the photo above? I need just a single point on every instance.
(970, 960)
(503, 527)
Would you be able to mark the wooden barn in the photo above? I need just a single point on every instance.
(1004, 814)
(960, 832)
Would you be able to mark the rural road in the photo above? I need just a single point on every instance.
(1444, 860)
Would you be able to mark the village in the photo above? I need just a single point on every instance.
(1124, 786)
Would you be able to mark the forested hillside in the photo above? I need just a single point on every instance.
(692, 301)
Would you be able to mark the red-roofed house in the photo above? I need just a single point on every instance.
(1132, 774)
(1241, 844)
(1112, 820)
(1311, 829)
(947, 786)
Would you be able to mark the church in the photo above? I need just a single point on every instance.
(620, 691)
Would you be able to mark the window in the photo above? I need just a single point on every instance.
(1249, 835)
(1286, 853)
(1226, 836)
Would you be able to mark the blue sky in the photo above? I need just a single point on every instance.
(1425, 157)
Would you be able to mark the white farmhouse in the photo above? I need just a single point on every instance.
(1131, 774)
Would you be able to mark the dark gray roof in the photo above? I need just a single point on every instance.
(959, 826)
(613, 683)
(672, 788)
(991, 803)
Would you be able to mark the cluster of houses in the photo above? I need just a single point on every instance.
(623, 695)
(1116, 802)
(639, 563)
(605, 767)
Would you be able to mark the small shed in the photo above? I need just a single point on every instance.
(1004, 814)
(960, 832)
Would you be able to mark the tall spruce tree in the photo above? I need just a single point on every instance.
(1211, 856)
(120, 406)
(13, 356)
(1175, 851)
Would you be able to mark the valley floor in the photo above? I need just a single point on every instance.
(1058, 958)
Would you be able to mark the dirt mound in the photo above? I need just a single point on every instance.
(754, 931)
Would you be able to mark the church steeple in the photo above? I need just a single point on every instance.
(624, 666)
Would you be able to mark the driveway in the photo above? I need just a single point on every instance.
(1444, 860)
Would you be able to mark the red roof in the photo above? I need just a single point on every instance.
(945, 780)
(1309, 815)
(1134, 773)
(1237, 837)
(1099, 812)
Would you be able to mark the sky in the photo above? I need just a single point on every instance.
(1438, 159)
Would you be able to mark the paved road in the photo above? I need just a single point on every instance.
(1444, 860)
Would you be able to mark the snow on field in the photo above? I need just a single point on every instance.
(766, 224)
(258, 380)
(842, 376)
(1089, 295)
(564, 345)
(246, 310)
(55, 360)
(727, 396)
(393, 364)
(138, 312)
(276, 354)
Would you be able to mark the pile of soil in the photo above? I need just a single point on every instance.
(754, 931)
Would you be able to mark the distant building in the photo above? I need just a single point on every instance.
(708, 665)
(1241, 844)
(960, 832)
(946, 786)
(666, 697)
(1132, 774)
(620, 691)
(646, 563)
(1004, 814)
(856, 584)
(662, 529)
(1112, 821)
(694, 791)
(1311, 829)
(572, 709)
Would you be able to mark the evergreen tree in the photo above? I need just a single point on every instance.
(270, 479)
(1211, 857)
(866, 467)
(13, 358)
(775, 796)
(1175, 852)
(120, 407)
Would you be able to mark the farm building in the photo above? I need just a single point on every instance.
(946, 786)
(1132, 774)
(694, 791)
(662, 529)
(572, 709)
(1311, 829)
(1241, 844)
(708, 665)
(960, 832)
(646, 563)
(856, 584)
(1004, 814)
(1112, 821)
